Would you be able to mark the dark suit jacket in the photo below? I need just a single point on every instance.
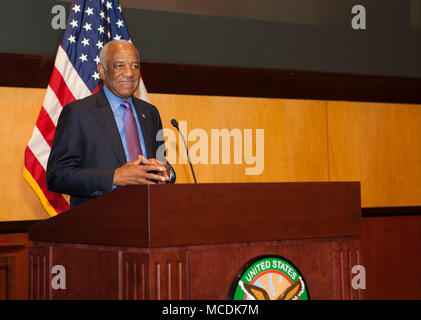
(87, 146)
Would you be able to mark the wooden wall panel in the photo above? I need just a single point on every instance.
(304, 140)
(391, 249)
(7, 277)
(378, 144)
(19, 110)
(295, 135)
(294, 140)
(17, 244)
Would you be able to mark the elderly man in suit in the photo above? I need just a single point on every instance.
(108, 139)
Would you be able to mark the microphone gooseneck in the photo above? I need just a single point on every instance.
(175, 125)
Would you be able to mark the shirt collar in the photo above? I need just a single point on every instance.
(114, 101)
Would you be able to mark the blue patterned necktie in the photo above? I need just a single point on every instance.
(132, 135)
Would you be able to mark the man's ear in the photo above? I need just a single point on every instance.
(101, 71)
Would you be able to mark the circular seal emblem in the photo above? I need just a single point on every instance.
(269, 278)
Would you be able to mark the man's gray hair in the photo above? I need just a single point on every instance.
(104, 50)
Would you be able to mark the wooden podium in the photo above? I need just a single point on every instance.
(187, 241)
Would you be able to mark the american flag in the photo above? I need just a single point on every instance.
(90, 25)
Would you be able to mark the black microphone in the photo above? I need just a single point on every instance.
(175, 125)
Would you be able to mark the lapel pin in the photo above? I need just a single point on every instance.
(143, 115)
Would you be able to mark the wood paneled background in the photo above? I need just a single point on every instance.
(304, 140)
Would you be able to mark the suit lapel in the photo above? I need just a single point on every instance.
(108, 125)
(146, 126)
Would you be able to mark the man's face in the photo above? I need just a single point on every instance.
(121, 73)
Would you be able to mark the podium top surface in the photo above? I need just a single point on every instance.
(151, 216)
